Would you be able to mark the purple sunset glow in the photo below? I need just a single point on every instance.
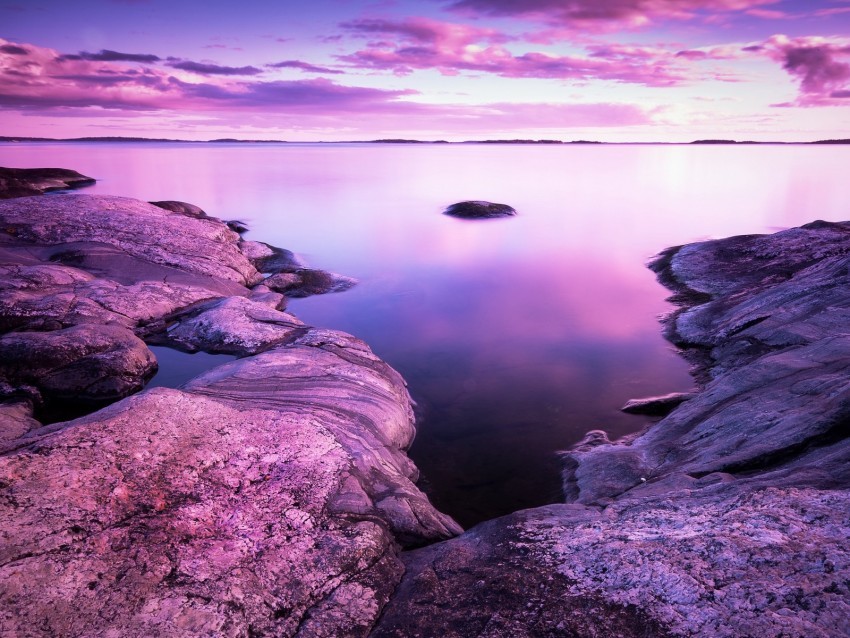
(611, 70)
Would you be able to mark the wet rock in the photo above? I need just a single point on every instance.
(190, 210)
(234, 325)
(479, 210)
(270, 259)
(83, 363)
(306, 282)
(23, 182)
(657, 406)
(237, 226)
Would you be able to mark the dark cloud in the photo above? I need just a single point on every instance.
(817, 67)
(304, 66)
(634, 12)
(105, 55)
(306, 94)
(212, 69)
(13, 49)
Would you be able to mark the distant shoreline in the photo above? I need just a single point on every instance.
(124, 140)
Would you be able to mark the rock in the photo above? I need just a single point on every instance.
(726, 518)
(270, 259)
(265, 499)
(85, 363)
(15, 419)
(234, 325)
(657, 406)
(190, 210)
(23, 182)
(236, 226)
(141, 230)
(305, 282)
(760, 564)
(479, 210)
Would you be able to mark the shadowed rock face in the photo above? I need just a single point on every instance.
(22, 182)
(727, 518)
(268, 497)
(479, 210)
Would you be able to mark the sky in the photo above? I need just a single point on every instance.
(340, 70)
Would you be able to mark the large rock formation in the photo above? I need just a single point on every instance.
(269, 497)
(730, 517)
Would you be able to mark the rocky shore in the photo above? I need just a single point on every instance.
(271, 496)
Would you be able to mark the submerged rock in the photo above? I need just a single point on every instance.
(22, 182)
(479, 210)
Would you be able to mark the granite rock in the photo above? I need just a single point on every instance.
(89, 363)
(23, 182)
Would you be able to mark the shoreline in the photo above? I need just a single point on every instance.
(271, 495)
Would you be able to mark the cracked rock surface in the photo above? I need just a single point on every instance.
(727, 518)
(269, 497)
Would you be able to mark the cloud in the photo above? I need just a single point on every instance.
(213, 69)
(304, 66)
(39, 84)
(105, 55)
(822, 66)
(604, 14)
(420, 43)
(426, 30)
(13, 49)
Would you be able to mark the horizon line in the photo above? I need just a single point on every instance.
(518, 141)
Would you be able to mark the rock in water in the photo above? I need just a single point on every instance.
(479, 210)
(190, 210)
(656, 406)
(728, 518)
(22, 182)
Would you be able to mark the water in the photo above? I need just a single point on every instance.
(516, 335)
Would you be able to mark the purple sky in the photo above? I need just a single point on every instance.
(610, 70)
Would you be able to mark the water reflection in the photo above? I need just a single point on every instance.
(515, 335)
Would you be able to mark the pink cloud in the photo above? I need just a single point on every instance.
(419, 43)
(605, 14)
(822, 65)
(41, 82)
(304, 66)
(426, 30)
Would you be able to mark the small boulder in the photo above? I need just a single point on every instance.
(657, 406)
(85, 363)
(190, 210)
(237, 226)
(479, 210)
(308, 281)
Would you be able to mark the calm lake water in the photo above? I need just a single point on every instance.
(516, 335)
